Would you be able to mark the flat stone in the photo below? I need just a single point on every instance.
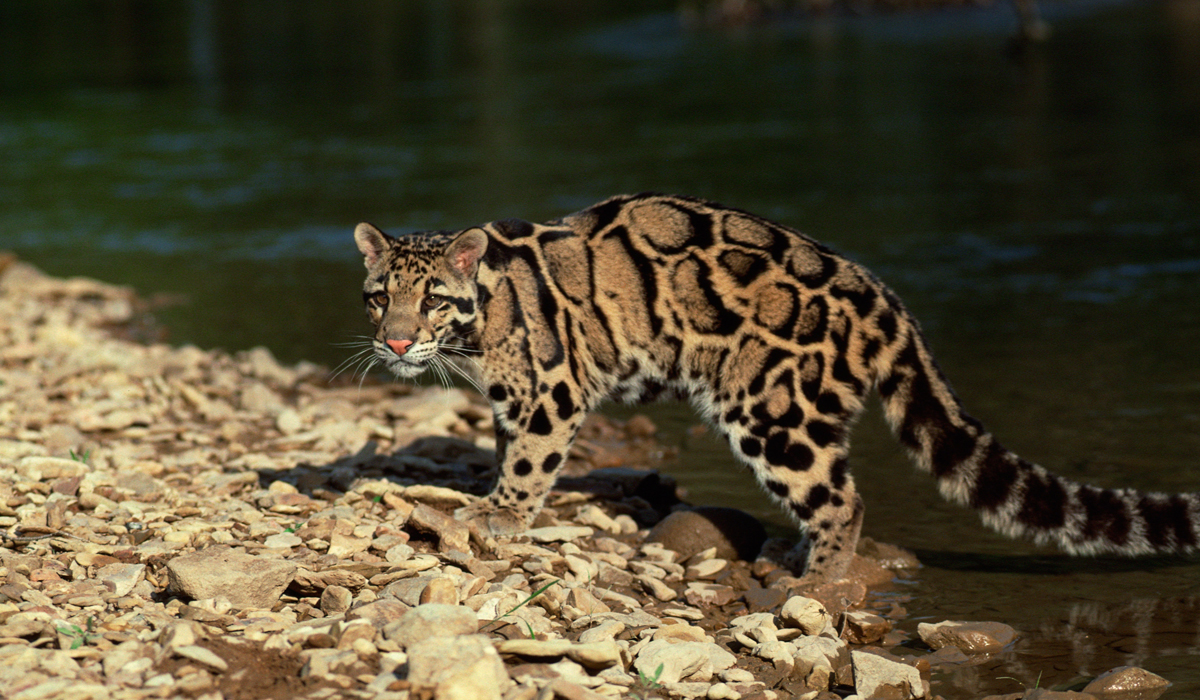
(452, 535)
(457, 668)
(679, 660)
(875, 676)
(201, 655)
(247, 581)
(380, 613)
(970, 637)
(122, 577)
(559, 533)
(432, 620)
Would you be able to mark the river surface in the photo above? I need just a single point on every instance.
(1039, 211)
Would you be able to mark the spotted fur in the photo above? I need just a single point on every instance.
(773, 337)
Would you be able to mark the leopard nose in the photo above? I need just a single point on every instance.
(399, 346)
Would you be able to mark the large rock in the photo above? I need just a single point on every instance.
(679, 660)
(246, 581)
(875, 676)
(457, 668)
(1127, 683)
(735, 533)
(432, 620)
(970, 637)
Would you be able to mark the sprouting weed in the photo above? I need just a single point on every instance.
(520, 605)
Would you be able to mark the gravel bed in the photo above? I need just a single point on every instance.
(186, 523)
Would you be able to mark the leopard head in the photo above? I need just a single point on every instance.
(420, 294)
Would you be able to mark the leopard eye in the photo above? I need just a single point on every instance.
(431, 302)
(378, 299)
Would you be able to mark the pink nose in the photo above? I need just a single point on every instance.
(399, 346)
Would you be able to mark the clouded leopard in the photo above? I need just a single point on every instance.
(773, 337)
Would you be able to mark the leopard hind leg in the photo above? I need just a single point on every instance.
(802, 466)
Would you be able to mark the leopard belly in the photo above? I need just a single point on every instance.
(774, 338)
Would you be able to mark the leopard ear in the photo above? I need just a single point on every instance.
(465, 252)
(372, 243)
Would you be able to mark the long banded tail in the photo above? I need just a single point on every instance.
(1012, 495)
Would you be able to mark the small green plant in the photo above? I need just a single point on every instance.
(1036, 684)
(80, 636)
(78, 457)
(648, 682)
(520, 605)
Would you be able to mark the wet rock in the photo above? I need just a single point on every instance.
(1127, 683)
(861, 627)
(246, 581)
(735, 534)
(970, 637)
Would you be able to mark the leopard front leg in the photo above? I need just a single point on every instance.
(532, 441)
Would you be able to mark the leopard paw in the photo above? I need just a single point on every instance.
(494, 520)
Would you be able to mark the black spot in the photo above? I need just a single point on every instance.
(551, 462)
(811, 386)
(539, 422)
(829, 404)
(870, 350)
(606, 212)
(1168, 526)
(497, 392)
(781, 452)
(997, 474)
(562, 396)
(802, 512)
(863, 299)
(751, 447)
(1106, 515)
(839, 472)
(837, 501)
(887, 325)
(522, 467)
(774, 357)
(743, 266)
(777, 487)
(733, 414)
(514, 411)
(522, 495)
(823, 434)
(952, 445)
(1045, 504)
(817, 496)
(815, 332)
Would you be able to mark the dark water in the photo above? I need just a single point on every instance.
(1039, 213)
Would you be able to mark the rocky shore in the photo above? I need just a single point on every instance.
(187, 523)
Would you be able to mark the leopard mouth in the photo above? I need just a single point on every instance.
(400, 365)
